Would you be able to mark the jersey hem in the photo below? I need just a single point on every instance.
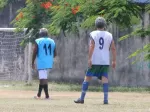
(44, 68)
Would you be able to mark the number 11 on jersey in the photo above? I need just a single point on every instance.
(47, 48)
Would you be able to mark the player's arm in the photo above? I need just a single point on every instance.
(55, 52)
(91, 49)
(113, 50)
(35, 50)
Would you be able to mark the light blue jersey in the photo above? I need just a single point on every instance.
(45, 55)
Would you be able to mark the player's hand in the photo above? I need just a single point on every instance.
(89, 63)
(114, 64)
(33, 66)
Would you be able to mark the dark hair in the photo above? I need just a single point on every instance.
(43, 32)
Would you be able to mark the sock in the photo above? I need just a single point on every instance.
(105, 90)
(84, 89)
(40, 90)
(46, 90)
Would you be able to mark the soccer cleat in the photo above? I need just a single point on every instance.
(36, 97)
(79, 101)
(47, 98)
(106, 102)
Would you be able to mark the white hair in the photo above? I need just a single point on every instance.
(43, 30)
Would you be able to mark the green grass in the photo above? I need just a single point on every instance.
(15, 85)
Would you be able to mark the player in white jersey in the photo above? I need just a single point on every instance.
(101, 42)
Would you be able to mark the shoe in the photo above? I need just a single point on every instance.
(106, 102)
(36, 97)
(79, 101)
(47, 98)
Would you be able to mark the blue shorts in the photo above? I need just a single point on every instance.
(98, 71)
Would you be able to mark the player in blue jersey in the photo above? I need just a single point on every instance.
(44, 52)
(101, 42)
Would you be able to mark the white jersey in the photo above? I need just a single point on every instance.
(102, 41)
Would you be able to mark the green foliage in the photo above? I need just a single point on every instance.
(139, 32)
(69, 15)
(122, 13)
(135, 20)
(144, 51)
(33, 18)
(89, 22)
(142, 32)
(3, 3)
(63, 17)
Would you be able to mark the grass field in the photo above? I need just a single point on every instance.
(16, 97)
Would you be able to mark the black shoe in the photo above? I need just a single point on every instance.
(79, 101)
(106, 102)
(47, 98)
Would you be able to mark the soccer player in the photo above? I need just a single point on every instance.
(101, 42)
(44, 52)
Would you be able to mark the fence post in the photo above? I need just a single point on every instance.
(29, 63)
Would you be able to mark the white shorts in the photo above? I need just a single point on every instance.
(43, 73)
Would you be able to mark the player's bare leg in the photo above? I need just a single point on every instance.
(85, 85)
(105, 88)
